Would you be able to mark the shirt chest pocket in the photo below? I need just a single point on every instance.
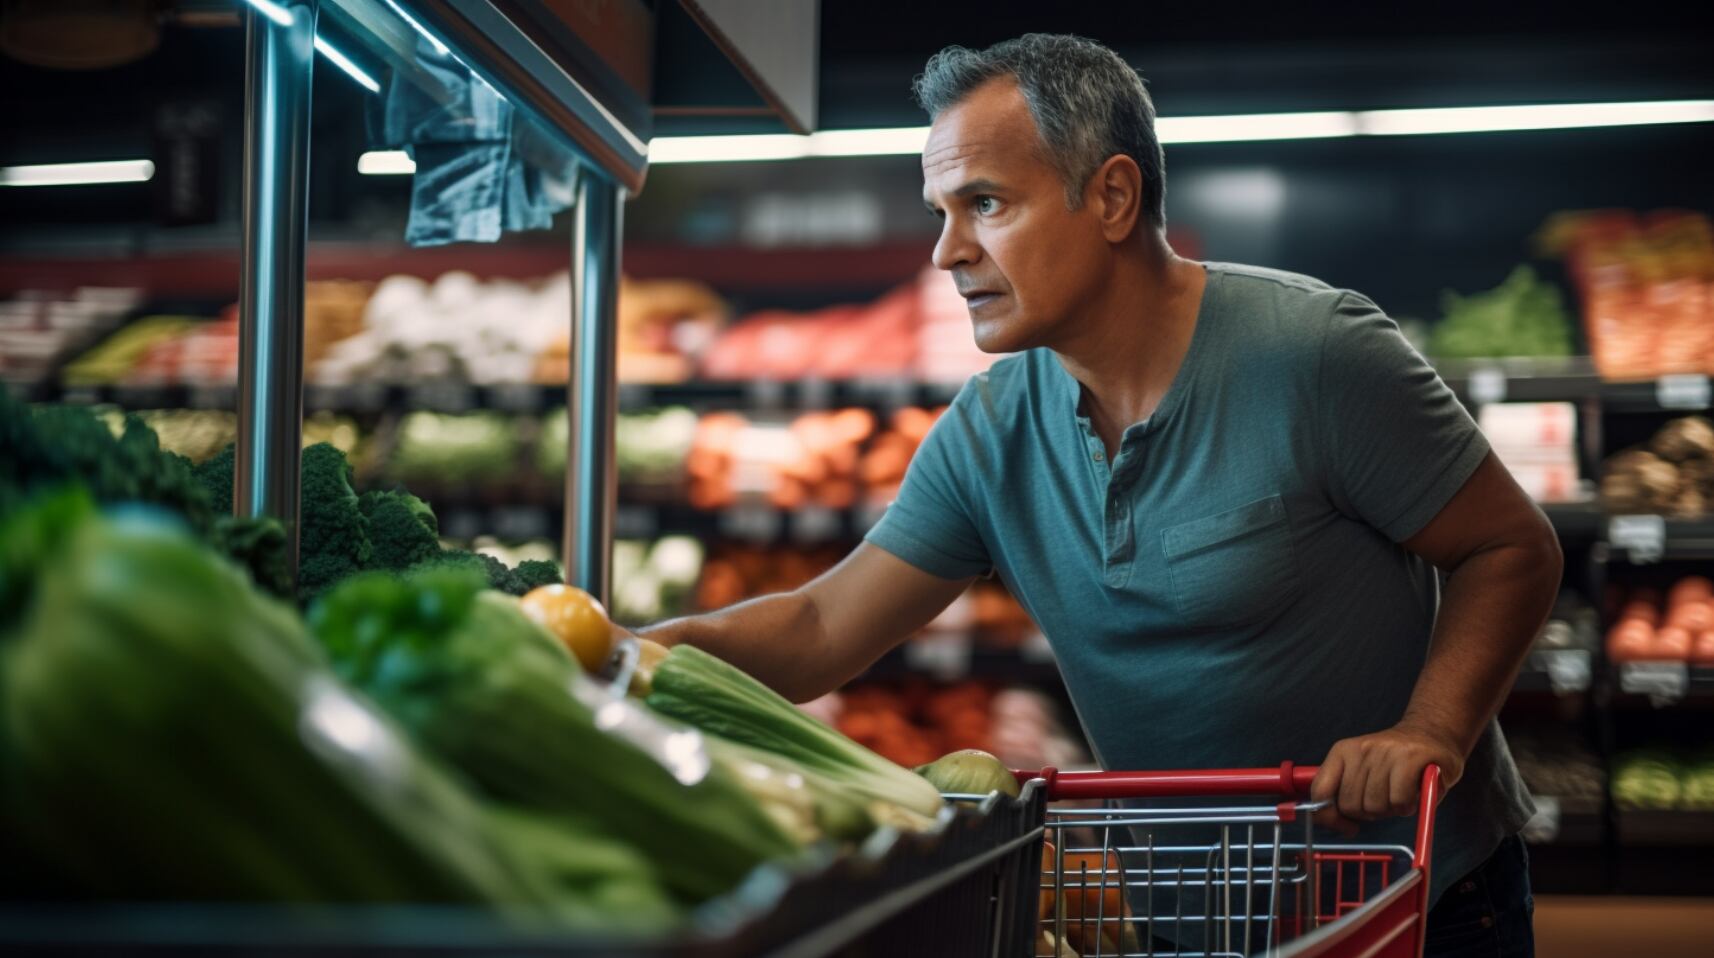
(1233, 568)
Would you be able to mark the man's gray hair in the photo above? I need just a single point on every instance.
(1089, 105)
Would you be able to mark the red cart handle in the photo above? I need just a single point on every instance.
(1287, 781)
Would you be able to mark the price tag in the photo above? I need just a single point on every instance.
(1568, 670)
(442, 397)
(1663, 682)
(766, 395)
(1543, 827)
(212, 397)
(359, 397)
(515, 397)
(1036, 649)
(463, 524)
(81, 395)
(886, 393)
(634, 522)
(944, 656)
(815, 524)
(1644, 537)
(752, 523)
(518, 524)
(635, 396)
(867, 515)
(1487, 385)
(1683, 391)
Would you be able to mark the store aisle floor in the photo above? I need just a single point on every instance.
(1569, 926)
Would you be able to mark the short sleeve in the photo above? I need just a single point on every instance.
(1396, 443)
(929, 524)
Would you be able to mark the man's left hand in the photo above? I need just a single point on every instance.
(1379, 775)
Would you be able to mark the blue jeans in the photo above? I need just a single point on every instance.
(1487, 913)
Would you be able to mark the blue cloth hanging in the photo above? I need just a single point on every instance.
(470, 183)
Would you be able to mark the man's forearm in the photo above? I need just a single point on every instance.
(1495, 603)
(779, 639)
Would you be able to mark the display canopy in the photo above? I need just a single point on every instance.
(609, 75)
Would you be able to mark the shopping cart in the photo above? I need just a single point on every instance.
(1235, 880)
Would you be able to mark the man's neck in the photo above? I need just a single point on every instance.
(1130, 343)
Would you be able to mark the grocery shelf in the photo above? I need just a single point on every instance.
(1662, 684)
(1576, 521)
(1668, 539)
(1675, 828)
(961, 656)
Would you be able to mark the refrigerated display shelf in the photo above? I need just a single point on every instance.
(1672, 828)
(1682, 394)
(1641, 540)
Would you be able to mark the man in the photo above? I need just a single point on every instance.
(1222, 492)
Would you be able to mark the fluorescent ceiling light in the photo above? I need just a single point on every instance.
(386, 163)
(1565, 116)
(1238, 128)
(78, 174)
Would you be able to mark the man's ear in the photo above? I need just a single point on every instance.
(1116, 189)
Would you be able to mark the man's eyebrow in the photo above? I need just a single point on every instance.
(980, 185)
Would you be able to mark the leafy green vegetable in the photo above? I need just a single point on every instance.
(701, 690)
(493, 693)
(171, 734)
(1523, 316)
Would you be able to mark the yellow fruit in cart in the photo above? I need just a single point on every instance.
(574, 617)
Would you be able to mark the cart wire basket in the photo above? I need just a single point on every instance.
(1224, 876)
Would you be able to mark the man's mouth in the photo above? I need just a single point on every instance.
(979, 298)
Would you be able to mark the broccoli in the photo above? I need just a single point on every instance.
(215, 476)
(531, 573)
(527, 576)
(333, 535)
(402, 530)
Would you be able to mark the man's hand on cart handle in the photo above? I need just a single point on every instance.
(1380, 775)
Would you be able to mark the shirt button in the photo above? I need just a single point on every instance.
(1467, 887)
(1487, 921)
(1100, 456)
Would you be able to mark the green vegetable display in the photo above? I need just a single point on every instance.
(171, 734)
(1523, 316)
(491, 692)
(701, 690)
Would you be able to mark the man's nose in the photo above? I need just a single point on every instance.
(955, 247)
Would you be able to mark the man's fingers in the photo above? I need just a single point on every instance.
(1405, 788)
(1377, 789)
(1325, 788)
(1351, 786)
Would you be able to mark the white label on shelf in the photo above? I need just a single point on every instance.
(514, 397)
(520, 523)
(633, 396)
(361, 397)
(1567, 669)
(817, 393)
(767, 394)
(634, 522)
(1487, 385)
(1663, 682)
(1036, 649)
(211, 397)
(1683, 391)
(815, 524)
(1543, 827)
(946, 656)
(441, 397)
(1644, 537)
(868, 514)
(751, 522)
(889, 393)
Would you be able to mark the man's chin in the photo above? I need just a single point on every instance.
(998, 337)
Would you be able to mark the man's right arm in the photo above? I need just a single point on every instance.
(812, 640)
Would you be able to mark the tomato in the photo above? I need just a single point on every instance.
(574, 617)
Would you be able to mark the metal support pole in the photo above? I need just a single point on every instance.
(278, 64)
(592, 401)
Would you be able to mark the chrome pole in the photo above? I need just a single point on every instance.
(278, 65)
(592, 399)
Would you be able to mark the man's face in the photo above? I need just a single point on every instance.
(1023, 262)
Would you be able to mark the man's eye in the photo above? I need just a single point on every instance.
(986, 204)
